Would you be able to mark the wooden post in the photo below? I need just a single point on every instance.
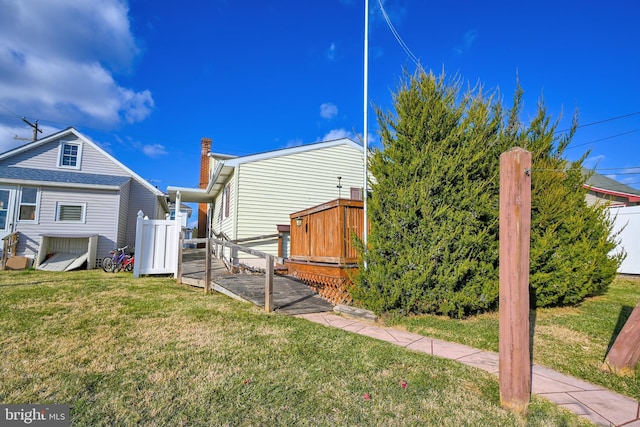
(515, 224)
(207, 266)
(625, 352)
(268, 285)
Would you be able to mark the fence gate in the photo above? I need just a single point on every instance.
(157, 243)
(627, 219)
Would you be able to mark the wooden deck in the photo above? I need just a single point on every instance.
(290, 296)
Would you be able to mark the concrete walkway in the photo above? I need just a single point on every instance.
(601, 406)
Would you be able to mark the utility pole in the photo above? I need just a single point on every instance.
(35, 127)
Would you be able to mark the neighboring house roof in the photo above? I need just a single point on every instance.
(227, 163)
(603, 184)
(72, 131)
(61, 178)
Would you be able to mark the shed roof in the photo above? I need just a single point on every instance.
(604, 184)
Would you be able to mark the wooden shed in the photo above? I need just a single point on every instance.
(322, 253)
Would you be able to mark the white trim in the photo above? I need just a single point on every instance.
(56, 184)
(61, 155)
(19, 204)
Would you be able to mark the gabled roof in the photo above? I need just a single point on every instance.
(61, 178)
(227, 163)
(234, 161)
(72, 131)
(606, 185)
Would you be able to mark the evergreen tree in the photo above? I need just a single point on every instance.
(434, 208)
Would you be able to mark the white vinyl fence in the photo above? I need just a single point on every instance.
(157, 243)
(627, 219)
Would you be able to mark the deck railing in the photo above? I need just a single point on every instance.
(9, 245)
(212, 243)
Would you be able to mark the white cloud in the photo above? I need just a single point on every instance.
(337, 134)
(295, 143)
(328, 110)
(468, 40)
(593, 161)
(58, 61)
(154, 150)
(331, 52)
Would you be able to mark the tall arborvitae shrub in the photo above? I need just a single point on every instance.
(434, 206)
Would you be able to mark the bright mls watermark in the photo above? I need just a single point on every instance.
(34, 415)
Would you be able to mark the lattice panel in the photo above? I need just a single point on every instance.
(333, 289)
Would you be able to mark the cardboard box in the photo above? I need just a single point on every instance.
(18, 263)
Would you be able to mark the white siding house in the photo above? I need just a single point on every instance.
(66, 186)
(251, 195)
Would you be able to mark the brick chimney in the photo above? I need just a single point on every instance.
(204, 181)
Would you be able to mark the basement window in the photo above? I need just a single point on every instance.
(66, 212)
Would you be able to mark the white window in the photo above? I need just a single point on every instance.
(70, 212)
(28, 209)
(70, 155)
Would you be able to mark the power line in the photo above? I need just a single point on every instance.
(604, 139)
(11, 112)
(397, 36)
(603, 121)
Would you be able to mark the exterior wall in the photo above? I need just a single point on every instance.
(271, 189)
(220, 222)
(594, 197)
(626, 222)
(45, 157)
(123, 215)
(140, 199)
(98, 220)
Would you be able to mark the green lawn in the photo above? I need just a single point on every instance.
(149, 352)
(572, 340)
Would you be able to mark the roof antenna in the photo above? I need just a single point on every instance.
(35, 127)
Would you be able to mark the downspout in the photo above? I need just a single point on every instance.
(236, 197)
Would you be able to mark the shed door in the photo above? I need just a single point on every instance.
(7, 198)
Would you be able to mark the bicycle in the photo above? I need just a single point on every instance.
(118, 260)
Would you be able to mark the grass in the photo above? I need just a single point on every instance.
(572, 340)
(149, 352)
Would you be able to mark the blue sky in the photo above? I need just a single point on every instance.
(147, 79)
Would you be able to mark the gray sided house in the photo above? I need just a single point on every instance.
(63, 193)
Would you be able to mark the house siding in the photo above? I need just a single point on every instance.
(123, 214)
(271, 189)
(45, 157)
(97, 219)
(220, 222)
(140, 199)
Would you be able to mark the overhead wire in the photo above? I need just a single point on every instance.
(603, 139)
(398, 38)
